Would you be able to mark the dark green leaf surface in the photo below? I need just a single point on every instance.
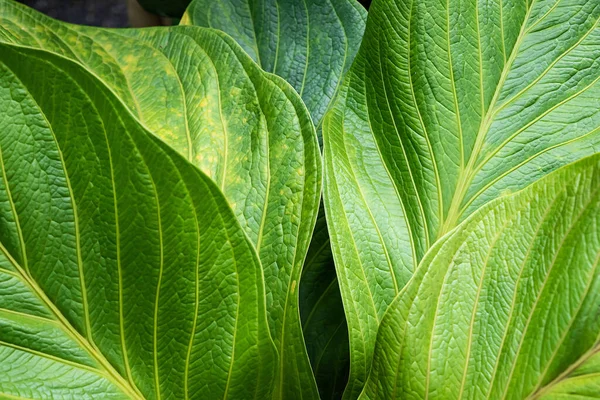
(309, 43)
(322, 312)
(246, 129)
(448, 106)
(123, 271)
(505, 306)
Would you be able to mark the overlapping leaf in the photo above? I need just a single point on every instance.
(123, 271)
(446, 107)
(248, 130)
(309, 43)
(323, 320)
(507, 306)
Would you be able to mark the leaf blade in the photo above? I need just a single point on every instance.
(449, 117)
(139, 170)
(490, 355)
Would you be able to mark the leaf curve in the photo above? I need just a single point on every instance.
(248, 130)
(309, 43)
(506, 306)
(119, 261)
(446, 107)
(322, 313)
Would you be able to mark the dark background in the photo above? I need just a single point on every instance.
(108, 13)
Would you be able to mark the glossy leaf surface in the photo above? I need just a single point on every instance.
(248, 130)
(506, 306)
(447, 107)
(309, 43)
(123, 271)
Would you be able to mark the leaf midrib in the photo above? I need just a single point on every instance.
(112, 374)
(468, 173)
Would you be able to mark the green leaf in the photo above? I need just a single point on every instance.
(506, 305)
(309, 43)
(578, 381)
(123, 271)
(323, 320)
(446, 107)
(248, 130)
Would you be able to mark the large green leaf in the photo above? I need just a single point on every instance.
(507, 305)
(446, 107)
(248, 130)
(123, 271)
(309, 43)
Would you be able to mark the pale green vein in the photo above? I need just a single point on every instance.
(196, 308)
(362, 268)
(485, 263)
(223, 124)
(54, 358)
(435, 316)
(113, 375)
(525, 162)
(541, 290)
(590, 280)
(425, 133)
(372, 217)
(296, 265)
(15, 214)
(307, 48)
(118, 250)
(408, 163)
(158, 285)
(24, 11)
(237, 314)
(186, 124)
(548, 69)
(12, 397)
(466, 176)
(530, 28)
(453, 85)
(26, 315)
(84, 299)
(405, 327)
(480, 54)
(478, 167)
(502, 31)
(565, 375)
(250, 12)
(513, 303)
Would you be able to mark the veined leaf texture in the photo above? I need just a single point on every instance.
(311, 44)
(506, 307)
(248, 130)
(448, 106)
(159, 192)
(123, 270)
